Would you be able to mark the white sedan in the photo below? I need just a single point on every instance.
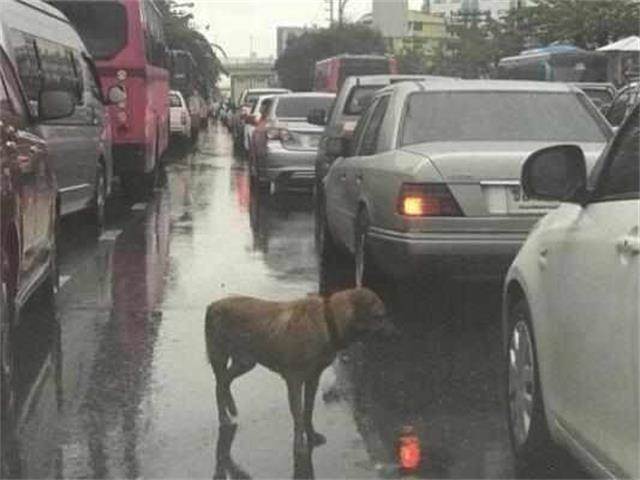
(180, 122)
(570, 311)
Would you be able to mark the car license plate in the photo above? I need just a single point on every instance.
(519, 204)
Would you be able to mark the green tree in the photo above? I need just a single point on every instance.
(584, 24)
(181, 35)
(295, 66)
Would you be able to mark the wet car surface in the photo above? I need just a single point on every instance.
(113, 379)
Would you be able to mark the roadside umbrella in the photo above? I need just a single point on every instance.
(629, 44)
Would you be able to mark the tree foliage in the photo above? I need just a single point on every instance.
(475, 47)
(584, 24)
(181, 35)
(295, 66)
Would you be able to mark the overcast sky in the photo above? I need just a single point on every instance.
(233, 23)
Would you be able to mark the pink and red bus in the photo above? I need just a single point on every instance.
(126, 40)
(330, 73)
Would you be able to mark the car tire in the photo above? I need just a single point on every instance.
(335, 265)
(528, 430)
(366, 273)
(8, 414)
(97, 212)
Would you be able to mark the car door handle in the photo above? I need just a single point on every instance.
(630, 243)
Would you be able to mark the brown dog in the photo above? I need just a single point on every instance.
(296, 339)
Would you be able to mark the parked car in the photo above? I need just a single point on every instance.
(601, 94)
(28, 213)
(351, 101)
(570, 311)
(179, 115)
(286, 145)
(245, 104)
(47, 52)
(626, 98)
(431, 183)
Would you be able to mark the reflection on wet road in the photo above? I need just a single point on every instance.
(114, 380)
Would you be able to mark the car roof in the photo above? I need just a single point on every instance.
(388, 79)
(482, 85)
(266, 90)
(307, 95)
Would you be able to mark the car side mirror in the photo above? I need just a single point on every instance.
(338, 147)
(556, 173)
(116, 95)
(317, 116)
(55, 104)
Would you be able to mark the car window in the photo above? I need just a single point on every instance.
(370, 137)
(360, 126)
(12, 89)
(359, 99)
(618, 109)
(620, 179)
(175, 101)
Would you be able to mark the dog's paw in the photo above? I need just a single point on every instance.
(315, 439)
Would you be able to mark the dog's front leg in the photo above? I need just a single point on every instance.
(294, 387)
(310, 389)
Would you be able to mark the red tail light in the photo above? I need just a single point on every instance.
(427, 200)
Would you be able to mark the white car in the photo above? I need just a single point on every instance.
(179, 114)
(570, 311)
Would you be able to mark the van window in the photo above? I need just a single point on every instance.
(59, 68)
(102, 25)
(26, 58)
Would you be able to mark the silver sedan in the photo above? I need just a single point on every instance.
(430, 181)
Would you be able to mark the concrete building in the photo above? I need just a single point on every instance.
(404, 29)
(448, 8)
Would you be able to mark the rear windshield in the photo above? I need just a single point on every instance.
(175, 100)
(498, 116)
(253, 97)
(299, 107)
(102, 25)
(359, 99)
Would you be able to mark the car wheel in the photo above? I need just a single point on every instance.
(366, 274)
(335, 266)
(530, 438)
(99, 202)
(9, 461)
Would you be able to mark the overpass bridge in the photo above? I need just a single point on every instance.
(251, 72)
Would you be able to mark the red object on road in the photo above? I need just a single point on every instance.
(408, 450)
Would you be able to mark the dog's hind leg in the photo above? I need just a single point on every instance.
(310, 389)
(239, 366)
(294, 388)
(219, 366)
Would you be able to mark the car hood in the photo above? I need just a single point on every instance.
(463, 162)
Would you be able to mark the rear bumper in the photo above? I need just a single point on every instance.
(463, 254)
(280, 164)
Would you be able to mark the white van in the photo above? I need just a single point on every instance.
(46, 51)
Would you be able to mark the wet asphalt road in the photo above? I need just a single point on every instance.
(114, 381)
